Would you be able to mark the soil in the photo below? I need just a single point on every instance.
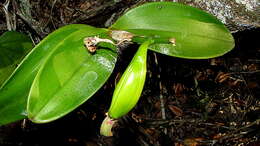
(184, 102)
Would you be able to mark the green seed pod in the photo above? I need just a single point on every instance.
(130, 86)
(128, 89)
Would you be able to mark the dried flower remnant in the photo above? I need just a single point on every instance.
(121, 36)
(91, 43)
(172, 41)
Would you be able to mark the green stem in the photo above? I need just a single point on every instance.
(106, 126)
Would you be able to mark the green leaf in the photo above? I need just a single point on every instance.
(14, 93)
(69, 77)
(13, 47)
(198, 34)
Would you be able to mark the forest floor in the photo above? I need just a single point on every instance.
(184, 102)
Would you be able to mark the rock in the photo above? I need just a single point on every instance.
(235, 14)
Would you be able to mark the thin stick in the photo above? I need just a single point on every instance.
(161, 92)
(7, 15)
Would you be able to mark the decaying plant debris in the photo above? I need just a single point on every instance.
(185, 102)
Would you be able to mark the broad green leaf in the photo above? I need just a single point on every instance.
(13, 47)
(14, 93)
(69, 77)
(198, 34)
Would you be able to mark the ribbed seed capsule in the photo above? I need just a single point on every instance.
(128, 89)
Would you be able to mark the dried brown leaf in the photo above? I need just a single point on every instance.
(192, 141)
(178, 89)
(252, 85)
(174, 109)
(221, 77)
(252, 67)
